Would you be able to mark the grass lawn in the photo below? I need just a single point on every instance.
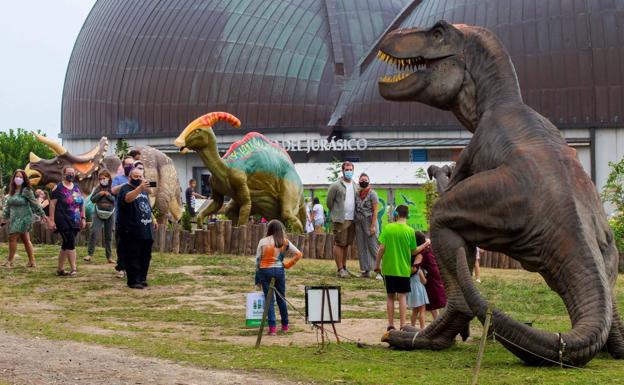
(193, 313)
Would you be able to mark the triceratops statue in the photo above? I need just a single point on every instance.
(158, 167)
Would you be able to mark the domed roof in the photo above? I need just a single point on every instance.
(146, 68)
(568, 55)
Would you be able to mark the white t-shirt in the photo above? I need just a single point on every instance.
(349, 204)
(318, 212)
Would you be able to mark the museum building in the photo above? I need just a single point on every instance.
(304, 73)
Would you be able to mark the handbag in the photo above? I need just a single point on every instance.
(104, 214)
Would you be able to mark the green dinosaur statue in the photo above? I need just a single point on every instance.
(256, 173)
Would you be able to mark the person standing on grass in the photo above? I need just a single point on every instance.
(134, 228)
(398, 243)
(434, 284)
(18, 210)
(341, 197)
(318, 216)
(119, 181)
(270, 263)
(104, 216)
(366, 231)
(67, 217)
(417, 297)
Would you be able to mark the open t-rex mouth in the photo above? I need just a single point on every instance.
(414, 65)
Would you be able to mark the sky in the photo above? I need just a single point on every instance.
(36, 40)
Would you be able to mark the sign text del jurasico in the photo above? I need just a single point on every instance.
(314, 145)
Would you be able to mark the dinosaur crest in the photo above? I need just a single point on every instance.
(251, 143)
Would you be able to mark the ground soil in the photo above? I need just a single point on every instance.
(34, 361)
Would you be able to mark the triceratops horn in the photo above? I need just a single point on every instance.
(33, 158)
(54, 146)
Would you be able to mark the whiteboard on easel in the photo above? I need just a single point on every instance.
(314, 304)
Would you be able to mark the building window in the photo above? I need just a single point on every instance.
(419, 155)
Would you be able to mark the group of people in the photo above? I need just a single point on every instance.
(399, 255)
(121, 203)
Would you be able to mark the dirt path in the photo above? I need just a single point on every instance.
(33, 361)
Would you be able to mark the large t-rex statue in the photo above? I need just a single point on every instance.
(517, 188)
(158, 167)
(256, 173)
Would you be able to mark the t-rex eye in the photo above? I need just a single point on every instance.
(437, 34)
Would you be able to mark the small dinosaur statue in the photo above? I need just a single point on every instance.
(517, 188)
(256, 173)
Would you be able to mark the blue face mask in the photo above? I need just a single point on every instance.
(348, 174)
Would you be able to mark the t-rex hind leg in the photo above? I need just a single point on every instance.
(290, 207)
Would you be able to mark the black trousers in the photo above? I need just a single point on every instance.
(137, 254)
(120, 260)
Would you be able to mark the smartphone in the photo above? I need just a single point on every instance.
(152, 184)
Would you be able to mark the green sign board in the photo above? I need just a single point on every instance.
(415, 200)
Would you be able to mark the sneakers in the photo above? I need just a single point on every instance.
(87, 258)
(284, 328)
(343, 273)
(379, 277)
(478, 280)
(272, 330)
(120, 274)
(136, 286)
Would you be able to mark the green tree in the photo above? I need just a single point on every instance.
(121, 148)
(335, 169)
(613, 193)
(431, 192)
(15, 147)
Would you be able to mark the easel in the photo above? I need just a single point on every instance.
(331, 317)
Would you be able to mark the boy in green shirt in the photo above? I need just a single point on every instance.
(398, 244)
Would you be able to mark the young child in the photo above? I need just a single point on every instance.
(417, 298)
(270, 264)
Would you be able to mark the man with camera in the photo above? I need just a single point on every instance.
(134, 228)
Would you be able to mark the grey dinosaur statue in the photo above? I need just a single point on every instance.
(517, 188)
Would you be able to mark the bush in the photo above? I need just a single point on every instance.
(186, 221)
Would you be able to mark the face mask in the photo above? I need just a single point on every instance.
(69, 178)
(348, 174)
(18, 180)
(363, 184)
(127, 169)
(135, 182)
(104, 182)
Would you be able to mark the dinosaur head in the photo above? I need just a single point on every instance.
(431, 63)
(198, 135)
(50, 171)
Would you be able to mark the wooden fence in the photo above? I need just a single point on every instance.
(222, 238)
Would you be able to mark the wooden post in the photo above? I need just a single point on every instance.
(199, 242)
(228, 237)
(221, 237)
(267, 303)
(320, 246)
(212, 229)
(311, 240)
(176, 239)
(486, 327)
(234, 241)
(162, 238)
(329, 246)
(242, 239)
(168, 240)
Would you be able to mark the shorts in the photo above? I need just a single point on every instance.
(344, 233)
(68, 238)
(396, 284)
(319, 222)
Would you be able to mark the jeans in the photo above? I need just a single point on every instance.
(96, 227)
(279, 274)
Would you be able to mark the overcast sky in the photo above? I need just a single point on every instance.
(36, 39)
